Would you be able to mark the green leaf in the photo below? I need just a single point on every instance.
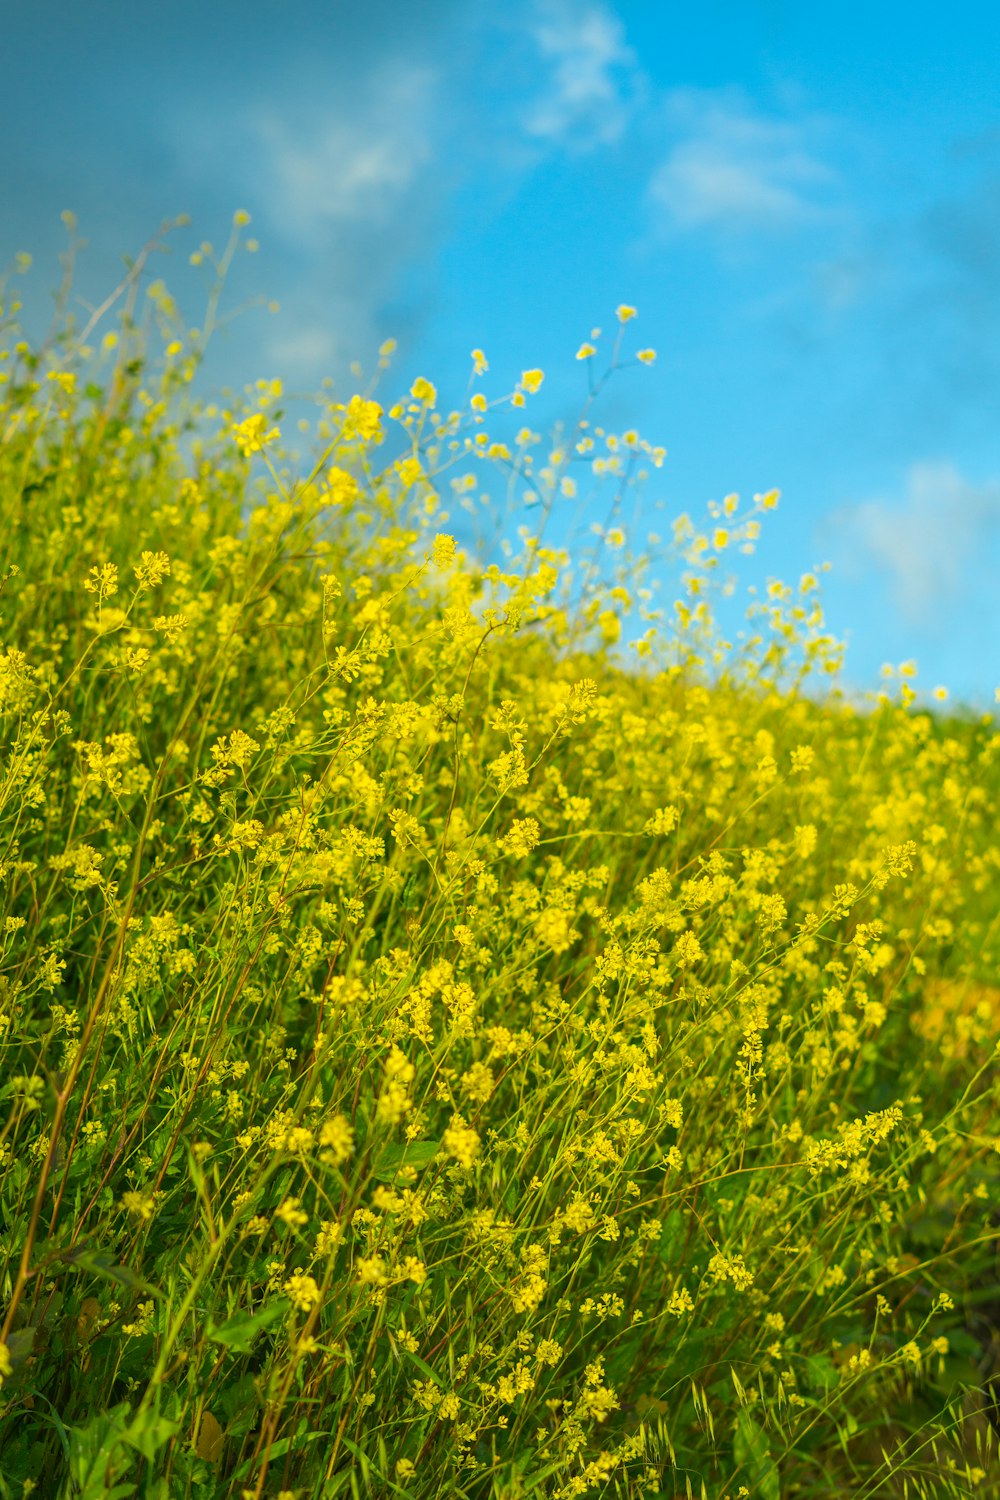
(211, 1439)
(98, 1263)
(239, 1403)
(751, 1451)
(19, 1345)
(532, 1482)
(362, 1458)
(93, 1464)
(417, 1154)
(239, 1331)
(149, 1432)
(821, 1371)
(421, 1365)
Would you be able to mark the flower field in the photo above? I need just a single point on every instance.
(456, 1040)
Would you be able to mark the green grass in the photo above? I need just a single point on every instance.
(437, 1058)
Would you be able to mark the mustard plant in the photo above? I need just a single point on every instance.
(453, 1044)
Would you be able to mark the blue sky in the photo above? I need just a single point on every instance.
(803, 203)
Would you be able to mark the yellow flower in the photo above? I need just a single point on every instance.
(610, 626)
(362, 420)
(291, 1213)
(462, 1142)
(555, 929)
(102, 580)
(444, 550)
(302, 1290)
(250, 436)
(371, 1268)
(586, 351)
(479, 359)
(804, 839)
(151, 568)
(422, 390)
(531, 380)
(664, 820)
(521, 838)
(646, 355)
(140, 1204)
(343, 487)
(478, 402)
(409, 470)
(478, 1082)
(143, 1321)
(336, 1137)
(624, 313)
(687, 949)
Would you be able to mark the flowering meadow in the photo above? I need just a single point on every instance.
(465, 1031)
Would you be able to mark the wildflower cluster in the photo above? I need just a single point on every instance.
(453, 1044)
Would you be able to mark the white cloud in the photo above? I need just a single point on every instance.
(350, 163)
(304, 351)
(928, 541)
(593, 78)
(733, 169)
(345, 178)
(840, 283)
